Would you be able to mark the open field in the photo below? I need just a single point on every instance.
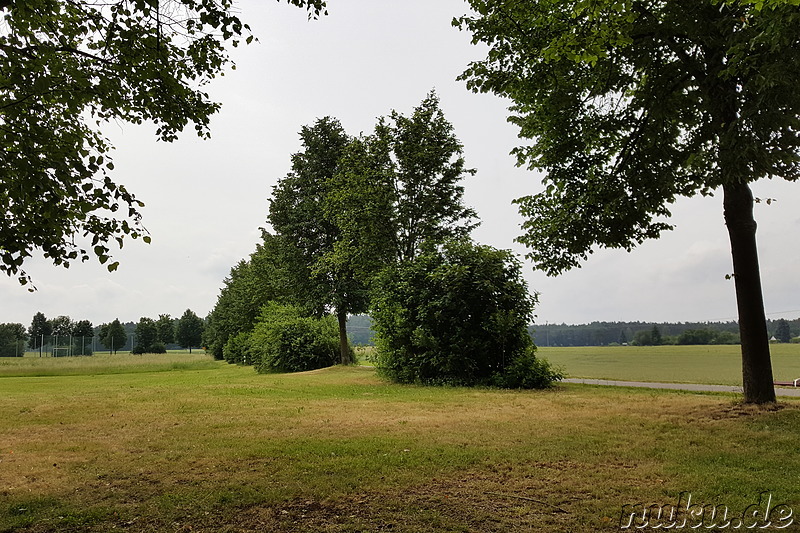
(221, 448)
(103, 363)
(720, 364)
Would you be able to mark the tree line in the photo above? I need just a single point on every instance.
(63, 336)
(376, 223)
(649, 333)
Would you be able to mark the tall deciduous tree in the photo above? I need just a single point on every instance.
(147, 337)
(69, 66)
(429, 168)
(632, 104)
(189, 330)
(62, 326)
(401, 187)
(297, 213)
(166, 329)
(113, 335)
(13, 338)
(40, 328)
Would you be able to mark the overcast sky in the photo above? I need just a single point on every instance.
(206, 199)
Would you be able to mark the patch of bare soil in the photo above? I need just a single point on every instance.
(502, 500)
(738, 410)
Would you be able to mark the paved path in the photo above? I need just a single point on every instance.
(779, 391)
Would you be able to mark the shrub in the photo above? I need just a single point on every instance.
(237, 349)
(156, 347)
(457, 314)
(528, 372)
(285, 341)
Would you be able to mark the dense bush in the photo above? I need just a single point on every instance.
(285, 341)
(528, 372)
(237, 349)
(457, 314)
(147, 338)
(156, 347)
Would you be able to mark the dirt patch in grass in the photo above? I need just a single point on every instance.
(740, 410)
(505, 498)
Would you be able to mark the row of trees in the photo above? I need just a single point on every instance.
(377, 222)
(13, 338)
(644, 333)
(61, 326)
(701, 336)
(348, 207)
(151, 336)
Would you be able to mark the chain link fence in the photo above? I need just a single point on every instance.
(50, 346)
(63, 346)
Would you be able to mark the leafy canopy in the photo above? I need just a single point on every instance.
(113, 335)
(631, 104)
(400, 187)
(297, 214)
(67, 67)
(189, 330)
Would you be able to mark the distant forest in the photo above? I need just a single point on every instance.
(610, 333)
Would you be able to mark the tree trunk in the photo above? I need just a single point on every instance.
(756, 365)
(344, 346)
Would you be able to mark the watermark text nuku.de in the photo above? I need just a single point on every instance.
(689, 514)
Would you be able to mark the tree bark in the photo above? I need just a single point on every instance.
(344, 346)
(757, 378)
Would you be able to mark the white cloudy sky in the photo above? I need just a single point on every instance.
(206, 199)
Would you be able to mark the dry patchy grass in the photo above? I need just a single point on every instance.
(339, 450)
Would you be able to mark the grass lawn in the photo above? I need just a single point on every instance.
(197, 445)
(103, 363)
(672, 364)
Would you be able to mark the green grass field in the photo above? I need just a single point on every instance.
(103, 363)
(183, 443)
(672, 364)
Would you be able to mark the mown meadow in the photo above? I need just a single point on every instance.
(715, 364)
(180, 442)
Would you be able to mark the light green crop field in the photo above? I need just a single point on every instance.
(672, 364)
(193, 444)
